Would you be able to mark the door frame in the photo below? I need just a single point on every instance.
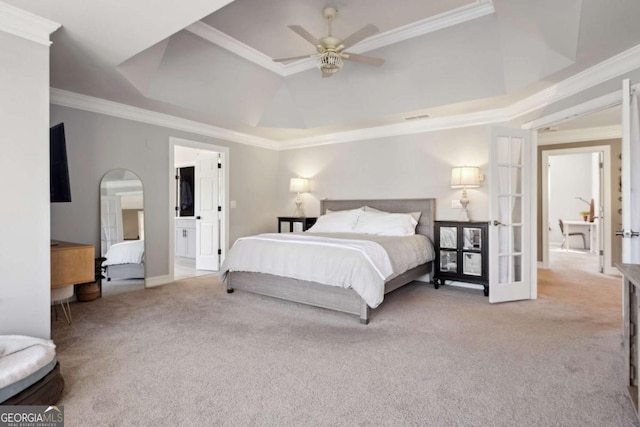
(605, 244)
(591, 106)
(224, 199)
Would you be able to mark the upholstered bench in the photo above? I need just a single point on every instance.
(29, 371)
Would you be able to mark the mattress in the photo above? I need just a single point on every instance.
(349, 260)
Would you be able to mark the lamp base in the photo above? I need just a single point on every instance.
(299, 212)
(464, 215)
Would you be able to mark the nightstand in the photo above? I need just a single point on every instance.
(462, 253)
(296, 223)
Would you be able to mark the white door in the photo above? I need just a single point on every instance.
(206, 210)
(510, 227)
(599, 238)
(630, 179)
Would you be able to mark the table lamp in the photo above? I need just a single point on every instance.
(299, 186)
(465, 177)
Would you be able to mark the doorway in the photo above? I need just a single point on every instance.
(576, 207)
(198, 197)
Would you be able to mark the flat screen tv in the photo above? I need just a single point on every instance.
(59, 190)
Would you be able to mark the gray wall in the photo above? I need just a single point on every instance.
(411, 166)
(97, 143)
(25, 290)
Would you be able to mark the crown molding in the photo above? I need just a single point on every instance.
(423, 126)
(434, 23)
(26, 25)
(425, 26)
(579, 135)
(221, 39)
(608, 69)
(96, 105)
(600, 73)
(591, 106)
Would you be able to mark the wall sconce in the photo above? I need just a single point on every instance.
(465, 177)
(299, 186)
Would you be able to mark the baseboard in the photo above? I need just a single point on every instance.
(150, 282)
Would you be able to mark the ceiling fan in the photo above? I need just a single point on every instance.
(331, 49)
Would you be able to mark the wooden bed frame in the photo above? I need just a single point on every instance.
(333, 297)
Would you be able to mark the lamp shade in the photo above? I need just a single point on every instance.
(299, 185)
(465, 177)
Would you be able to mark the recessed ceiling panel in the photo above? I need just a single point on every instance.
(263, 24)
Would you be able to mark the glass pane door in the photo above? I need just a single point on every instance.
(510, 211)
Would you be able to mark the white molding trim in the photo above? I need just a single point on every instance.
(428, 125)
(608, 69)
(97, 105)
(150, 282)
(26, 25)
(591, 106)
(227, 42)
(579, 135)
(434, 23)
(622, 63)
(425, 26)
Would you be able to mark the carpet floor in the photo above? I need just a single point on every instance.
(190, 354)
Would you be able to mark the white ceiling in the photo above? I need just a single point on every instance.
(138, 53)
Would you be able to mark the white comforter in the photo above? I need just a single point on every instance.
(357, 261)
(129, 252)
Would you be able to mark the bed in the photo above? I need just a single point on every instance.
(335, 297)
(125, 260)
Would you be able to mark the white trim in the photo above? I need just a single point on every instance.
(428, 125)
(544, 170)
(434, 23)
(115, 109)
(425, 26)
(598, 74)
(227, 42)
(26, 25)
(608, 69)
(591, 106)
(226, 162)
(578, 135)
(150, 282)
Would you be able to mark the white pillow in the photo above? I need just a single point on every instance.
(415, 215)
(336, 222)
(386, 224)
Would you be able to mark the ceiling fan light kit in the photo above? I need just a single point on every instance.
(330, 62)
(330, 49)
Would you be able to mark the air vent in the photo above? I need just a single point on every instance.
(421, 116)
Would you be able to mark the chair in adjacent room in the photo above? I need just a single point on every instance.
(573, 233)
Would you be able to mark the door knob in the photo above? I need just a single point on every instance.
(627, 233)
(496, 222)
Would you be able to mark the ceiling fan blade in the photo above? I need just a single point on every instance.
(369, 60)
(361, 34)
(292, 58)
(304, 34)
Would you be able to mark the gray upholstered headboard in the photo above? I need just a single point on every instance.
(426, 206)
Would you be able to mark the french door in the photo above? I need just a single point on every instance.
(630, 177)
(510, 205)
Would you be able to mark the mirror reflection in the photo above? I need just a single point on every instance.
(448, 237)
(472, 238)
(122, 227)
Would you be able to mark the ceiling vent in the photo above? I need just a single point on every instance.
(421, 116)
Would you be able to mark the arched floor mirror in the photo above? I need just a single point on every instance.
(122, 231)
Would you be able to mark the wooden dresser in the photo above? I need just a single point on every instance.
(72, 264)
